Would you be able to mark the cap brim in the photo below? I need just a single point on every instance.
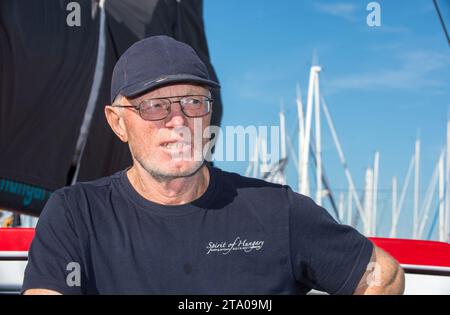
(146, 86)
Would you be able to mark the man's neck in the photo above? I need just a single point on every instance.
(176, 191)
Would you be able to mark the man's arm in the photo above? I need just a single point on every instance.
(383, 275)
(41, 292)
(54, 249)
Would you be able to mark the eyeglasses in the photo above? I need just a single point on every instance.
(159, 108)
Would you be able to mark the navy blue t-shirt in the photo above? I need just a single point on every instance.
(242, 236)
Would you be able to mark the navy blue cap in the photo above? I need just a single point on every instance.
(154, 62)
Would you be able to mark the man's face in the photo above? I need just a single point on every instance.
(165, 148)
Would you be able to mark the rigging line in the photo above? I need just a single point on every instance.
(93, 95)
(433, 224)
(441, 19)
(435, 218)
(343, 161)
(324, 180)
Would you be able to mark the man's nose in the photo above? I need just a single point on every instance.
(176, 116)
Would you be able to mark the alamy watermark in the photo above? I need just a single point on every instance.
(374, 17)
(232, 143)
(74, 16)
(374, 276)
(73, 279)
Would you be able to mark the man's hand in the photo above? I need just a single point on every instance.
(383, 275)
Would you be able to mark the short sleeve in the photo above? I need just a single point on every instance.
(54, 256)
(326, 255)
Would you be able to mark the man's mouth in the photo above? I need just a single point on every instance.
(175, 145)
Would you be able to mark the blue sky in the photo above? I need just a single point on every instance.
(384, 86)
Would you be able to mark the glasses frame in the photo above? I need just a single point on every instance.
(169, 106)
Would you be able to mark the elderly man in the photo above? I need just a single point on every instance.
(172, 224)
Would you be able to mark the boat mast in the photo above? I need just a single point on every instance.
(350, 208)
(304, 188)
(318, 149)
(447, 188)
(442, 227)
(368, 199)
(283, 131)
(394, 207)
(416, 189)
(341, 207)
(375, 192)
(301, 134)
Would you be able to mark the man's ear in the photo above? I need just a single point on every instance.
(116, 122)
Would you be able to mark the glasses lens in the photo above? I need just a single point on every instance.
(195, 106)
(154, 109)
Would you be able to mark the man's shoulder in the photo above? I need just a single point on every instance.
(250, 186)
(82, 205)
(235, 179)
(95, 187)
(263, 189)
